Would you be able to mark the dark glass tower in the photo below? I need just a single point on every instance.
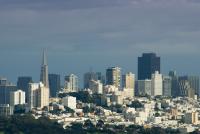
(23, 84)
(147, 65)
(54, 84)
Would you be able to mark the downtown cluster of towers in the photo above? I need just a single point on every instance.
(149, 82)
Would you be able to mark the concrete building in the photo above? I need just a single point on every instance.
(144, 87)
(6, 110)
(96, 86)
(185, 89)
(38, 96)
(5, 89)
(113, 76)
(17, 97)
(71, 83)
(69, 101)
(157, 84)
(193, 81)
(128, 83)
(167, 85)
(192, 118)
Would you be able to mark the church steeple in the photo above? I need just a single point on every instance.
(44, 71)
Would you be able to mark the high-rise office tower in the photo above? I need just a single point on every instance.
(185, 88)
(147, 65)
(96, 87)
(157, 84)
(128, 83)
(193, 81)
(88, 77)
(113, 76)
(44, 71)
(100, 77)
(23, 84)
(175, 88)
(38, 96)
(167, 85)
(71, 83)
(128, 80)
(5, 89)
(144, 87)
(54, 84)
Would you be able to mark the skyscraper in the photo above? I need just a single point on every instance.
(5, 89)
(167, 86)
(54, 84)
(147, 65)
(23, 84)
(71, 83)
(128, 80)
(44, 71)
(175, 87)
(144, 87)
(113, 76)
(193, 81)
(88, 77)
(38, 95)
(157, 84)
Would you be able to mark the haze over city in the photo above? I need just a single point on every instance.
(79, 35)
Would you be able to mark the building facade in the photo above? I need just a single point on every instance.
(23, 84)
(113, 76)
(71, 83)
(54, 84)
(147, 65)
(157, 84)
(17, 98)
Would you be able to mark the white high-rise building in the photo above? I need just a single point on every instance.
(157, 84)
(71, 83)
(96, 86)
(17, 97)
(43, 96)
(69, 101)
(38, 95)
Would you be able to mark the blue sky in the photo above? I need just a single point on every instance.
(83, 34)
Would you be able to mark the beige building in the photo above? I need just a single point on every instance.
(38, 96)
(157, 84)
(17, 97)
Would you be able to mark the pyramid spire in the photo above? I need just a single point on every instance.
(44, 71)
(44, 59)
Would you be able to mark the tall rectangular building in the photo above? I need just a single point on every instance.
(147, 65)
(71, 83)
(193, 81)
(157, 84)
(113, 76)
(128, 80)
(144, 87)
(38, 96)
(54, 84)
(5, 89)
(167, 86)
(23, 84)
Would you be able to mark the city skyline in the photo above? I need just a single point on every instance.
(120, 33)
